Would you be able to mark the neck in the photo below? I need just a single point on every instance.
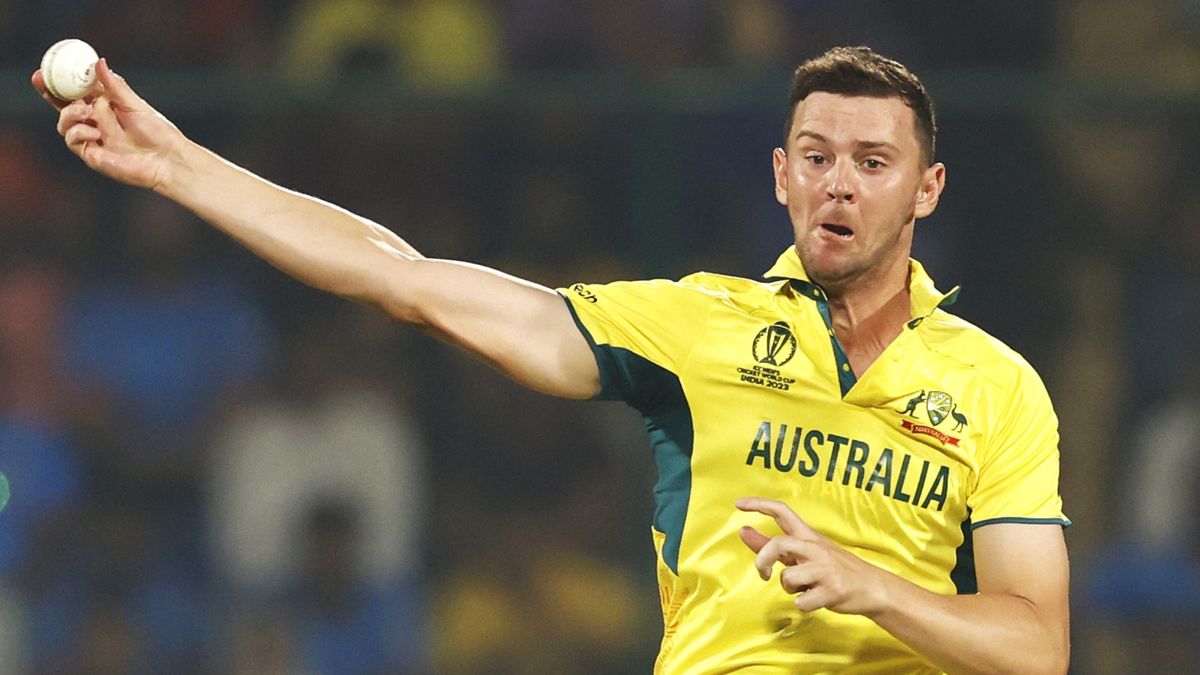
(870, 314)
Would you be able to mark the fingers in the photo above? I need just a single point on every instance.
(72, 114)
(784, 516)
(104, 116)
(80, 135)
(806, 572)
(787, 550)
(815, 598)
(800, 578)
(77, 128)
(87, 121)
(752, 538)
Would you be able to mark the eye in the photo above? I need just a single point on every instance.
(815, 159)
(872, 164)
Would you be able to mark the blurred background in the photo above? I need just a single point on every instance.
(216, 469)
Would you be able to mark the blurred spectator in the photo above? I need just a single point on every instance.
(329, 429)
(1163, 329)
(108, 645)
(121, 586)
(261, 645)
(38, 452)
(318, 505)
(37, 527)
(1121, 45)
(548, 35)
(33, 295)
(162, 344)
(527, 598)
(156, 347)
(182, 33)
(236, 33)
(344, 623)
(1114, 163)
(638, 37)
(646, 37)
(1142, 592)
(561, 217)
(152, 34)
(756, 33)
(433, 43)
(531, 507)
(40, 213)
(1141, 589)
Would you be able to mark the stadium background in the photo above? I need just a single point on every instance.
(216, 469)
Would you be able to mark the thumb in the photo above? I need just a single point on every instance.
(117, 89)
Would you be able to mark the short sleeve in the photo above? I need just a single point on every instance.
(1018, 473)
(641, 333)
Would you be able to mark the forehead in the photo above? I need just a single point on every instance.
(849, 119)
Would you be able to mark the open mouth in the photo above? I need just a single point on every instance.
(840, 230)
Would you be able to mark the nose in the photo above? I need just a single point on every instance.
(840, 188)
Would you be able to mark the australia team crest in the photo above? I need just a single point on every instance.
(938, 407)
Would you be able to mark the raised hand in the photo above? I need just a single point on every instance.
(823, 573)
(115, 131)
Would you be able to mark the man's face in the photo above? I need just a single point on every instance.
(853, 182)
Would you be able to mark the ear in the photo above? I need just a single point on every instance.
(932, 183)
(779, 160)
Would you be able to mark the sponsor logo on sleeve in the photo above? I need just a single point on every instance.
(583, 292)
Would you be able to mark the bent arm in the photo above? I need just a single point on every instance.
(1017, 623)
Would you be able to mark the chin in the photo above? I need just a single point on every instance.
(832, 280)
(830, 273)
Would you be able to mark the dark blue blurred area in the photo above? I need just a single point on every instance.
(216, 469)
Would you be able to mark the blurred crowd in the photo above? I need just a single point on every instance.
(216, 469)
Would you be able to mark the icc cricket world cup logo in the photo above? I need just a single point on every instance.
(775, 345)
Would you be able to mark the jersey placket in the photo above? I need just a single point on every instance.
(846, 377)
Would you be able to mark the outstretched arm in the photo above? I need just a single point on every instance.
(521, 328)
(1017, 623)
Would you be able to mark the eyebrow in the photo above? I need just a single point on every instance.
(862, 145)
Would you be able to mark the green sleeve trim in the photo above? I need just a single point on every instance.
(963, 574)
(1064, 522)
(575, 316)
(608, 390)
(657, 393)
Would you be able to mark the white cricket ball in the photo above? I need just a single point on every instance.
(69, 68)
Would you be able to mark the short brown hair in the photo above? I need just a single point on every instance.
(860, 71)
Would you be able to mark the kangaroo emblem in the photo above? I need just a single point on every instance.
(960, 420)
(913, 402)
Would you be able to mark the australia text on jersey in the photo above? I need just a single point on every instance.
(904, 478)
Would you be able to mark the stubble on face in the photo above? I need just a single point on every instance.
(852, 223)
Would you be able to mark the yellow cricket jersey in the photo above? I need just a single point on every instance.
(746, 391)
